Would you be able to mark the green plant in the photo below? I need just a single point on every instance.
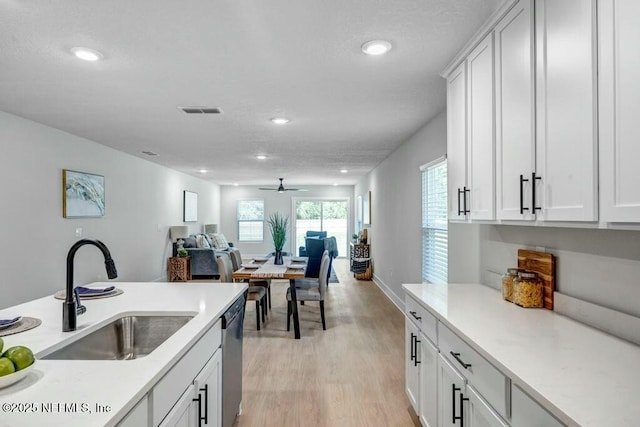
(183, 253)
(354, 236)
(278, 226)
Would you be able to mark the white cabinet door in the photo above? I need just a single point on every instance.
(138, 416)
(457, 142)
(515, 114)
(208, 386)
(451, 389)
(412, 368)
(481, 136)
(479, 413)
(185, 411)
(566, 186)
(526, 412)
(619, 68)
(428, 358)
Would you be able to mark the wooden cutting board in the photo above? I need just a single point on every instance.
(545, 265)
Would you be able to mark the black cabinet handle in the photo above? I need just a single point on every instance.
(459, 210)
(460, 361)
(462, 399)
(411, 345)
(199, 400)
(415, 315)
(453, 402)
(533, 193)
(415, 360)
(522, 181)
(465, 190)
(206, 403)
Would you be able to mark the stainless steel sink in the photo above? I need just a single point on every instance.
(126, 338)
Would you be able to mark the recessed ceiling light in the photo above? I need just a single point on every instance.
(335, 184)
(343, 171)
(86, 53)
(261, 157)
(280, 120)
(376, 47)
(202, 171)
(235, 184)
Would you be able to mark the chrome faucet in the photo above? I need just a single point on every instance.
(71, 307)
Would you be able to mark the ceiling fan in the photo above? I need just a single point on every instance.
(281, 188)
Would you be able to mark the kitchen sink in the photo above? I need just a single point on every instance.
(125, 338)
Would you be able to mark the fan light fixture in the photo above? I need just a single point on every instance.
(376, 47)
(281, 188)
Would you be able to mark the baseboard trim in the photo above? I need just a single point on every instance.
(386, 290)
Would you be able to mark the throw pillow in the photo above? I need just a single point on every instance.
(206, 236)
(189, 242)
(219, 241)
(201, 241)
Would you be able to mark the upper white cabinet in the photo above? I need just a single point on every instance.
(481, 131)
(515, 114)
(470, 136)
(619, 67)
(457, 143)
(566, 180)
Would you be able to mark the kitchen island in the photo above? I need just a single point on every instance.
(103, 392)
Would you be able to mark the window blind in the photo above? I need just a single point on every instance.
(250, 220)
(434, 223)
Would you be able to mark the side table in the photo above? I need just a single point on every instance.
(360, 261)
(179, 269)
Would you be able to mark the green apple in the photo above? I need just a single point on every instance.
(6, 367)
(20, 356)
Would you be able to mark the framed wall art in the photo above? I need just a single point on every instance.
(82, 195)
(190, 212)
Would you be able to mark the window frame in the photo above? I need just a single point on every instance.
(435, 230)
(240, 221)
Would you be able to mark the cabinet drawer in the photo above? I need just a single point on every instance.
(421, 317)
(169, 389)
(481, 374)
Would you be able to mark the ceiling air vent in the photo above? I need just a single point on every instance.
(201, 110)
(149, 153)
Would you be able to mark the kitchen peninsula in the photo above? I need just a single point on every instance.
(115, 392)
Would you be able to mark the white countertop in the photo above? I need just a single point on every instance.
(583, 376)
(117, 383)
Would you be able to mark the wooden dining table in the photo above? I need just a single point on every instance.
(268, 270)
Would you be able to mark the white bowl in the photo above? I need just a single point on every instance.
(7, 380)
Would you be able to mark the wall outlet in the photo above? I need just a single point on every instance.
(540, 249)
(159, 227)
(79, 232)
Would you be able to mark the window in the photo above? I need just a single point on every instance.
(434, 222)
(250, 220)
(330, 215)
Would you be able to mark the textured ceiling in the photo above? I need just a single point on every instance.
(254, 59)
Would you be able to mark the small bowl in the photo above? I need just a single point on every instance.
(7, 380)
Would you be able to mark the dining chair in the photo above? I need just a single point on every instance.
(254, 293)
(236, 261)
(310, 282)
(312, 293)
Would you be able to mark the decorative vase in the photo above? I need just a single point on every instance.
(278, 260)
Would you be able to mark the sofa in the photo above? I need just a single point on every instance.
(203, 260)
(315, 245)
(302, 250)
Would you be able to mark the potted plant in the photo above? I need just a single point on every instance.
(354, 238)
(278, 226)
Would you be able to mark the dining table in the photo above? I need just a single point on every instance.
(292, 268)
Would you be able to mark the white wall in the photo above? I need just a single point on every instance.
(395, 232)
(142, 200)
(273, 202)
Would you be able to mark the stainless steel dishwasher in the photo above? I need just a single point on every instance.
(232, 323)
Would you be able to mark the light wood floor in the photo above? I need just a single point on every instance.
(352, 374)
